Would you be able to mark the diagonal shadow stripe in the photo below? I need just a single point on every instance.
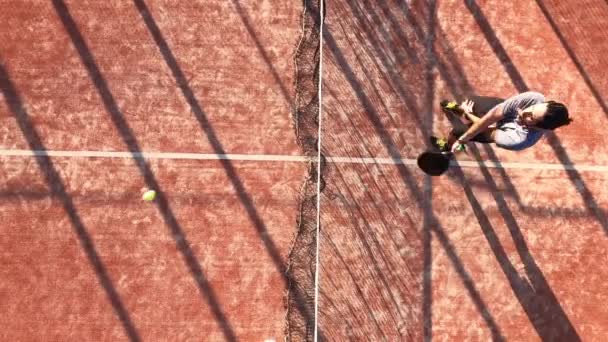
(536, 297)
(464, 87)
(410, 183)
(547, 300)
(247, 23)
(302, 303)
(58, 189)
(130, 140)
(554, 142)
(598, 97)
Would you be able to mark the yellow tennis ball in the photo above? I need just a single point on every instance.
(149, 196)
(451, 105)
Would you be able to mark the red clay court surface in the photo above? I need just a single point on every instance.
(514, 252)
(83, 258)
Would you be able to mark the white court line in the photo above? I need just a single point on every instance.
(287, 158)
(353, 160)
(155, 155)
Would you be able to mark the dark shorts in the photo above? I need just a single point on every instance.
(481, 106)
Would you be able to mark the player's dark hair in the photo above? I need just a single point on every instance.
(557, 115)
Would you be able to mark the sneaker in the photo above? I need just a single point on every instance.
(439, 143)
(450, 107)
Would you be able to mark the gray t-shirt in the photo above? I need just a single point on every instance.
(510, 134)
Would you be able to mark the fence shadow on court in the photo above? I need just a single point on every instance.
(302, 304)
(535, 304)
(132, 144)
(597, 94)
(519, 83)
(410, 182)
(58, 190)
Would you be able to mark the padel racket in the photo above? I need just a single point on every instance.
(434, 163)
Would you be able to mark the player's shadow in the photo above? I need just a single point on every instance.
(305, 308)
(539, 302)
(132, 144)
(410, 182)
(58, 190)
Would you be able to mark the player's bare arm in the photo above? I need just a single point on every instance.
(481, 124)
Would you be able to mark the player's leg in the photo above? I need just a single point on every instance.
(459, 128)
(482, 105)
(483, 137)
